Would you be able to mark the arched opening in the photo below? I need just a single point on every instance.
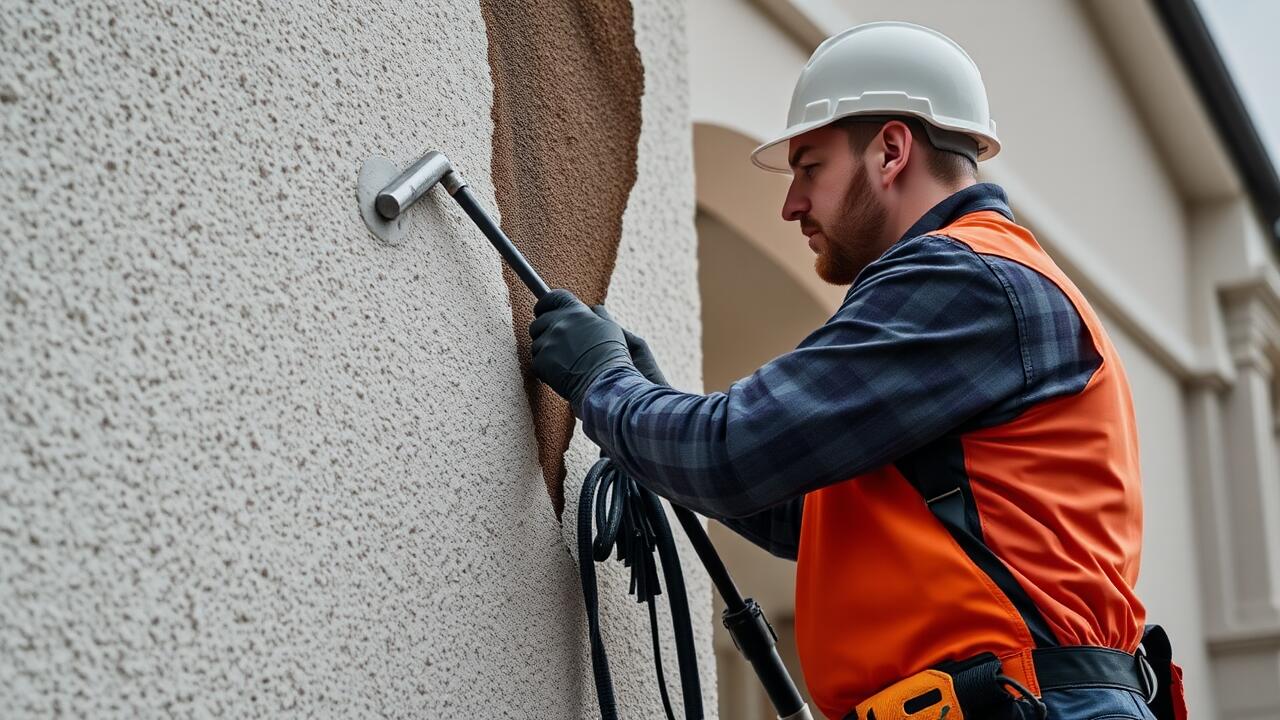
(760, 298)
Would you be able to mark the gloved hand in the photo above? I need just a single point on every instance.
(572, 345)
(641, 355)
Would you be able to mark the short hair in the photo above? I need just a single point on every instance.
(943, 165)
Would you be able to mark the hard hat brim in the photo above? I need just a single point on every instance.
(772, 155)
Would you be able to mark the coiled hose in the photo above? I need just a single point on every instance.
(632, 519)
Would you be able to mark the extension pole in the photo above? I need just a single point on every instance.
(744, 619)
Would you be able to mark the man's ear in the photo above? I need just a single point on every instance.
(896, 141)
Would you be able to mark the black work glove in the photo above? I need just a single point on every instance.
(641, 355)
(572, 345)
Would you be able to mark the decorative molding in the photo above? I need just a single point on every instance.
(1210, 467)
(1234, 451)
(1252, 313)
(1252, 639)
(1241, 515)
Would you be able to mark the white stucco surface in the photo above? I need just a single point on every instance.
(252, 461)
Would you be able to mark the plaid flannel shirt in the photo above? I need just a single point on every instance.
(932, 338)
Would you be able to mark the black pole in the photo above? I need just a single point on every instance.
(507, 249)
(744, 619)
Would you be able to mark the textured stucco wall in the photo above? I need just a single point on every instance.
(253, 462)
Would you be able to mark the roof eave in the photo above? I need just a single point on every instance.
(1204, 64)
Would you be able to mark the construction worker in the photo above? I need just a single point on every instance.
(952, 458)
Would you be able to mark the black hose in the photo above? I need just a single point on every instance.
(631, 519)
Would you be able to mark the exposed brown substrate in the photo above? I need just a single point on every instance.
(567, 83)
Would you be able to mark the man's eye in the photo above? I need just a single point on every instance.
(808, 169)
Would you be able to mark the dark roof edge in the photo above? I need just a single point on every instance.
(1186, 28)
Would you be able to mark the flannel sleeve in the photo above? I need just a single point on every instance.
(775, 529)
(925, 340)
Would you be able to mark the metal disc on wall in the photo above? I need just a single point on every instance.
(375, 174)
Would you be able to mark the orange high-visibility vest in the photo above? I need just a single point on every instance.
(1033, 538)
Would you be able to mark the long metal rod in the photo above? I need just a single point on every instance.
(746, 623)
(716, 570)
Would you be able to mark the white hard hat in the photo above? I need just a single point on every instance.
(890, 69)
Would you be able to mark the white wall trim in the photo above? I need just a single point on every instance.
(809, 22)
(1110, 293)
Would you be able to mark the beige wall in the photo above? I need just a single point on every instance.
(752, 311)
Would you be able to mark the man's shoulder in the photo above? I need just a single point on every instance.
(938, 257)
(925, 259)
(928, 281)
(1056, 347)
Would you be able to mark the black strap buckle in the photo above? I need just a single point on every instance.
(1150, 682)
(1024, 696)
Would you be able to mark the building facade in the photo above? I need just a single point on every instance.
(1111, 158)
(256, 462)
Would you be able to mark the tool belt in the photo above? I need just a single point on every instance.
(979, 688)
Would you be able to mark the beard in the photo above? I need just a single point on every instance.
(853, 240)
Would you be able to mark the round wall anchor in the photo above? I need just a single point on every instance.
(376, 173)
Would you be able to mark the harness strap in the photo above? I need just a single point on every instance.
(1169, 699)
(938, 473)
(1063, 668)
(943, 483)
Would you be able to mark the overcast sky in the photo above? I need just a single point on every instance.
(1248, 36)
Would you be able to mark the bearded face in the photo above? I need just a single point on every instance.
(854, 184)
(851, 238)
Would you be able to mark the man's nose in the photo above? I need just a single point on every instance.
(795, 206)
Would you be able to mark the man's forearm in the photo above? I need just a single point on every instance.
(674, 443)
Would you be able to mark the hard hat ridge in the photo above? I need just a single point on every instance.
(890, 69)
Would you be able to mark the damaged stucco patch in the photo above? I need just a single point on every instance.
(567, 84)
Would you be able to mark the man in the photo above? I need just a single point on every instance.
(952, 458)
